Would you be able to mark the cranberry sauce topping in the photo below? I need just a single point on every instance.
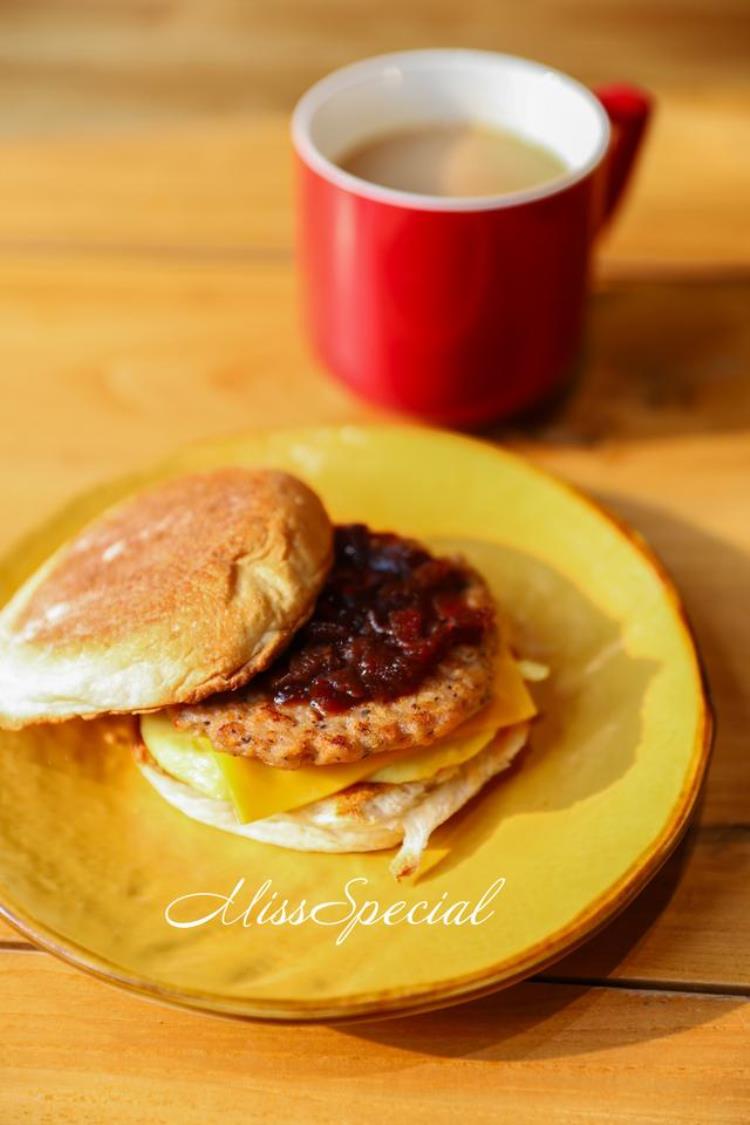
(387, 615)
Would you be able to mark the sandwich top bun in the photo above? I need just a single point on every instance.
(184, 590)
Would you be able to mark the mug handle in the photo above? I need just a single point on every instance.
(629, 109)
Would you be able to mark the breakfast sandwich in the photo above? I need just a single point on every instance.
(313, 687)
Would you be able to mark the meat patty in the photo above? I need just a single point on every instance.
(250, 723)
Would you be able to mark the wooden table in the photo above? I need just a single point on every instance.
(147, 299)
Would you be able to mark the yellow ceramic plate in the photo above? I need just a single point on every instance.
(91, 857)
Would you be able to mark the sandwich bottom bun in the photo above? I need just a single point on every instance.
(366, 817)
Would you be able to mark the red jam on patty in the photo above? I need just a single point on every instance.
(387, 615)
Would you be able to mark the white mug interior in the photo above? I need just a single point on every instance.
(413, 88)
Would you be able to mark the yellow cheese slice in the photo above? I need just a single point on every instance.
(428, 760)
(257, 790)
(188, 757)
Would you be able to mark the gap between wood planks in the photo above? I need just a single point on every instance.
(612, 270)
(641, 984)
(622, 984)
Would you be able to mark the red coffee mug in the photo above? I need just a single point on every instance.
(459, 310)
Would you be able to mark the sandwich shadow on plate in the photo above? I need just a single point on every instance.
(589, 724)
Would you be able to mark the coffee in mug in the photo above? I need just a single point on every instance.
(453, 159)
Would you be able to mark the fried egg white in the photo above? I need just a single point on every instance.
(366, 817)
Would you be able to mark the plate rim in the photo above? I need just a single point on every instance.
(461, 989)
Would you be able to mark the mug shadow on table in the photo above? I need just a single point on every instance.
(662, 358)
(515, 1023)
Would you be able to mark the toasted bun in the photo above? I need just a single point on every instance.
(184, 590)
(365, 818)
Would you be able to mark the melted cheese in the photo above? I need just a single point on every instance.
(187, 757)
(257, 790)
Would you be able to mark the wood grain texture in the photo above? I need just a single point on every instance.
(180, 113)
(147, 299)
(126, 61)
(73, 1050)
(223, 189)
(689, 928)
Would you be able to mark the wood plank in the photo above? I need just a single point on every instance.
(111, 346)
(202, 188)
(690, 927)
(177, 322)
(72, 1049)
(106, 364)
(115, 61)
